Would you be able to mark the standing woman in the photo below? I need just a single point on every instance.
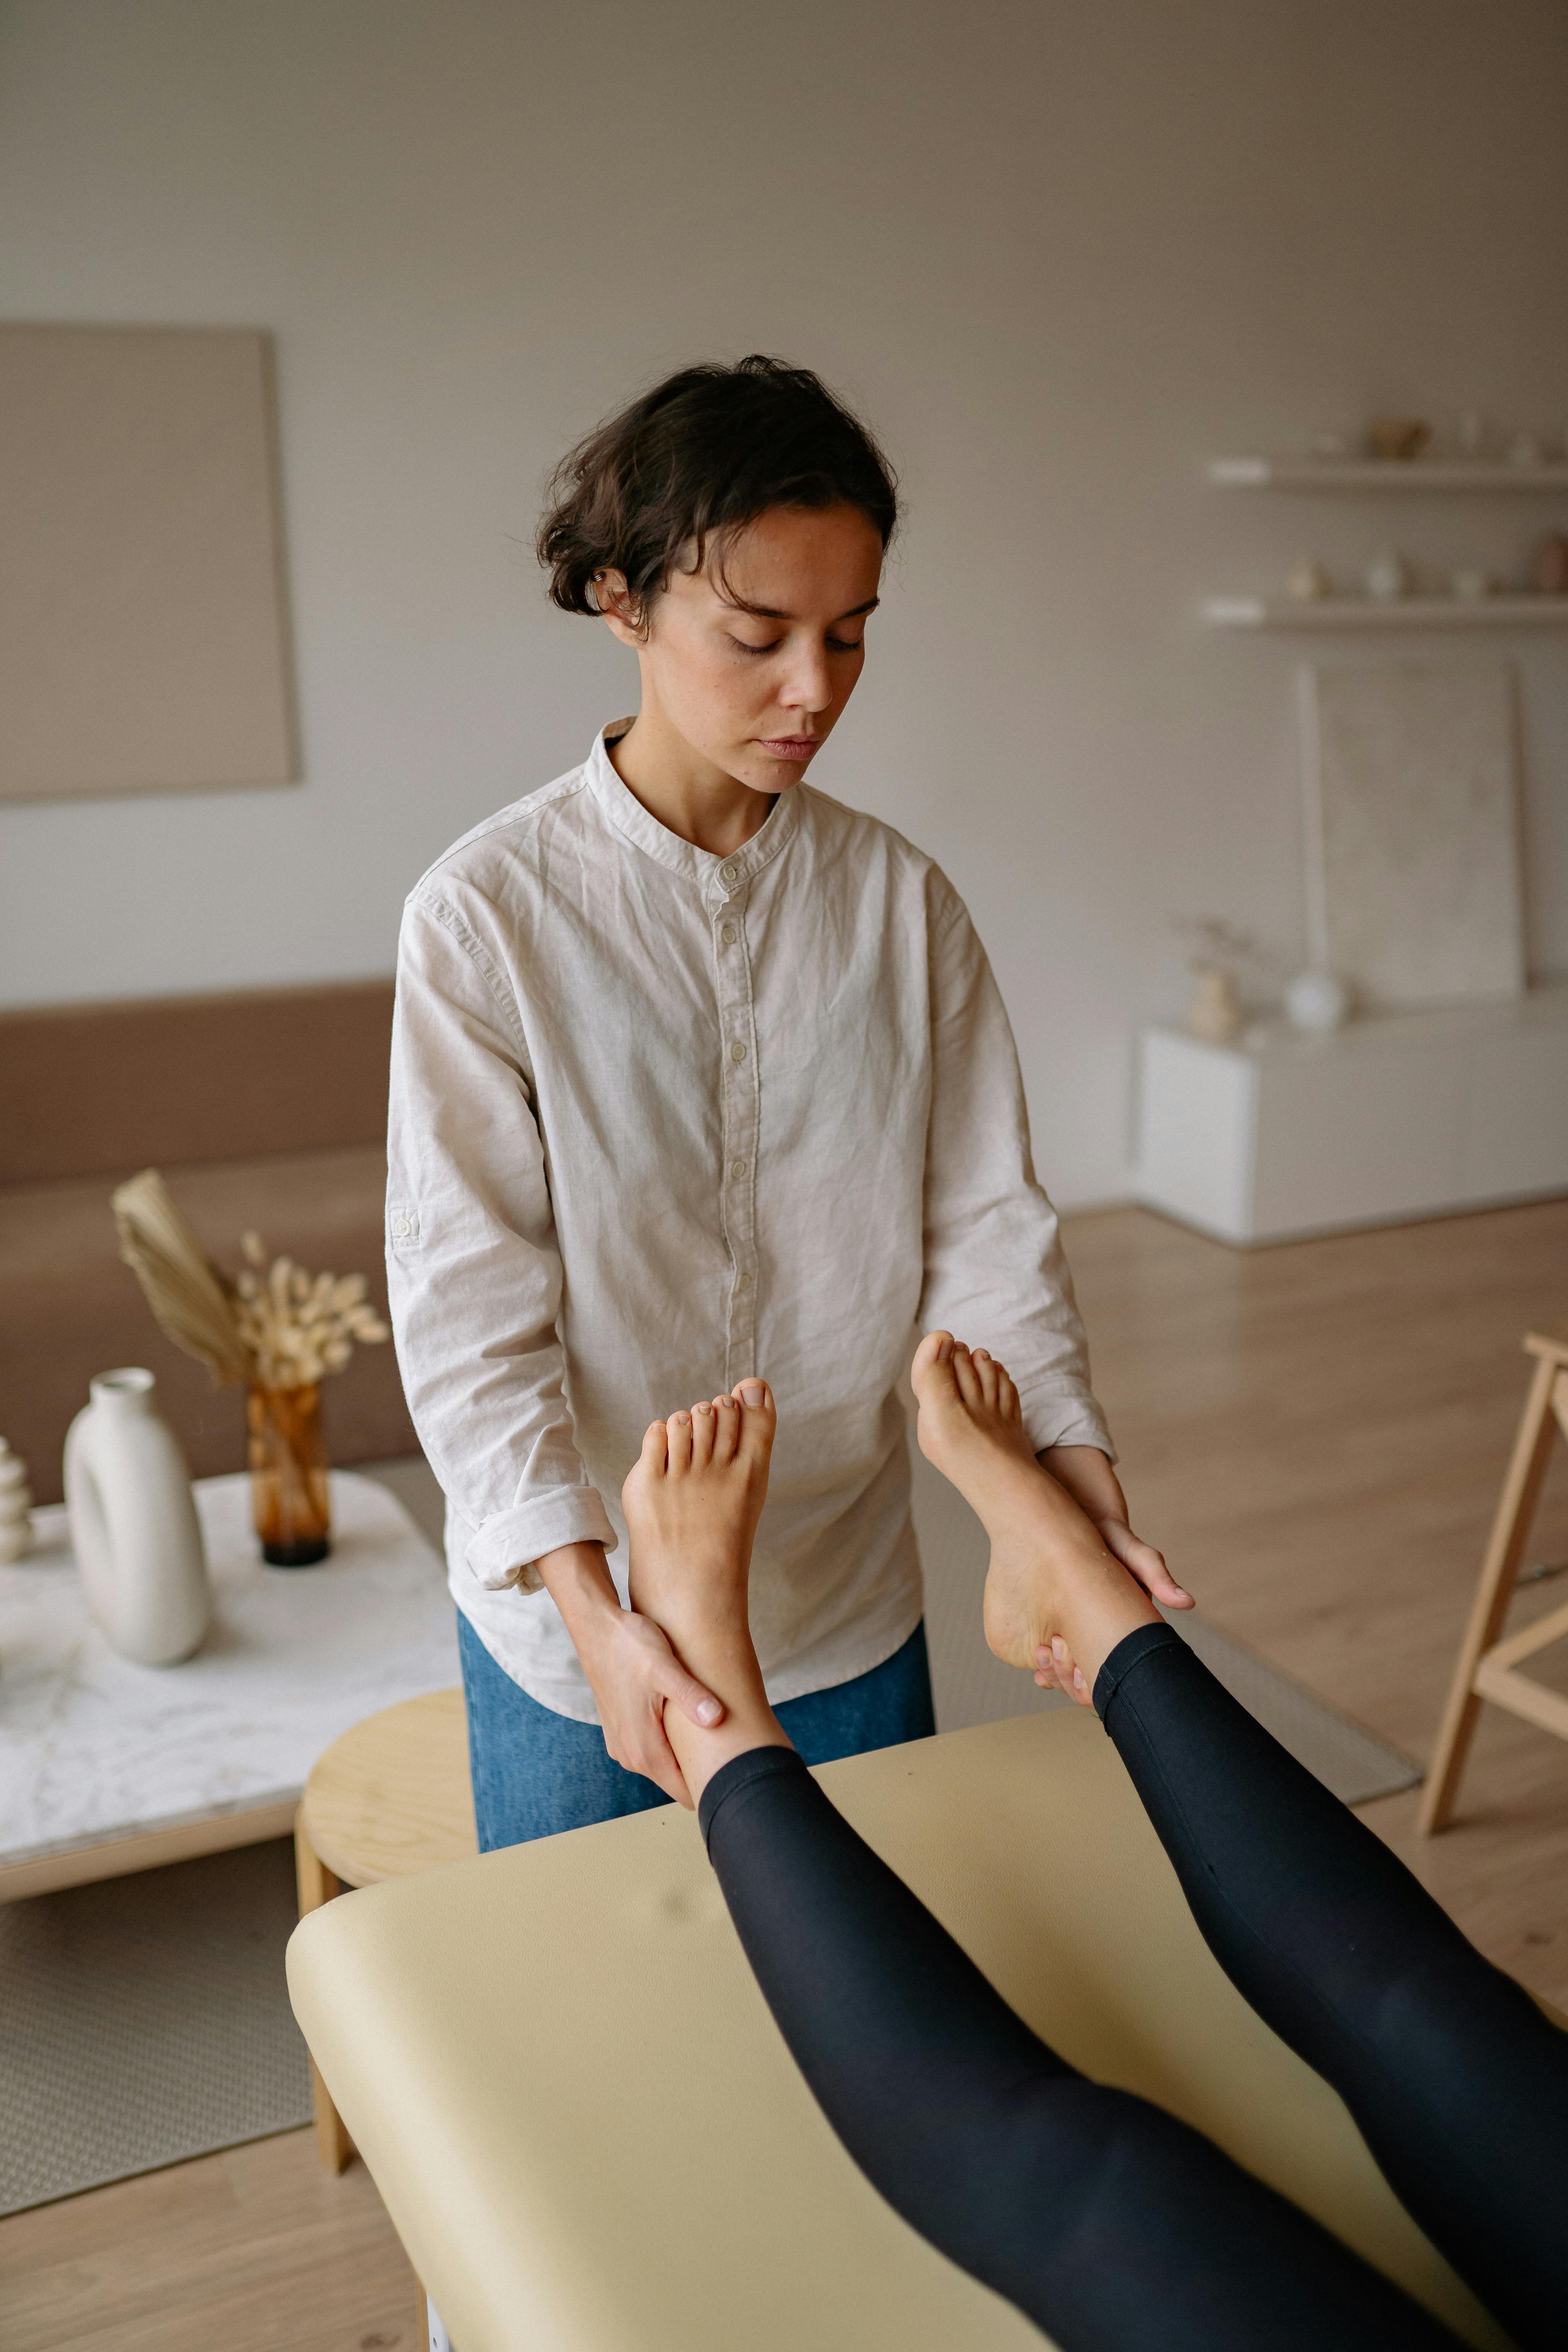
(699, 1075)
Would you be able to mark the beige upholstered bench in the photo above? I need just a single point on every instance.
(558, 2068)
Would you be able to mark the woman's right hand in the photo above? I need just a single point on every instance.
(632, 1670)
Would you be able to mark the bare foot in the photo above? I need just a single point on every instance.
(1051, 1578)
(692, 1503)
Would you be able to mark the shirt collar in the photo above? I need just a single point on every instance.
(717, 877)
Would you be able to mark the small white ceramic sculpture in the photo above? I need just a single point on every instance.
(1524, 449)
(1214, 1011)
(1388, 577)
(1317, 1001)
(1309, 581)
(15, 1506)
(1470, 583)
(133, 1523)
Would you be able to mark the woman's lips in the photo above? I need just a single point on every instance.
(791, 747)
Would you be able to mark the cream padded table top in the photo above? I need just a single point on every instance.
(591, 2138)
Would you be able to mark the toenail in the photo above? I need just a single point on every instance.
(944, 1352)
(753, 1392)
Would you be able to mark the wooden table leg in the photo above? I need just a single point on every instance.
(1499, 1574)
(317, 1886)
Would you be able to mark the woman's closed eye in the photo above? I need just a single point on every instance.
(834, 646)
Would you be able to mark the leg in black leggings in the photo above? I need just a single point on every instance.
(1458, 2082)
(1113, 2226)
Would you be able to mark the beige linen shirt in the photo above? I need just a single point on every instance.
(661, 1120)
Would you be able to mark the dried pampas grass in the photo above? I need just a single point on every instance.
(191, 1302)
(283, 1329)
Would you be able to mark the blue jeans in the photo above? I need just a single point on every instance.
(535, 1771)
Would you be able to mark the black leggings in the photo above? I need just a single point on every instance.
(1108, 2222)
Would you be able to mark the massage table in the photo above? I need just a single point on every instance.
(590, 2137)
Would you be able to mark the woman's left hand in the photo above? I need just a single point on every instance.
(1087, 1476)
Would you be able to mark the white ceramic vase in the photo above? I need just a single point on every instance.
(133, 1523)
(1317, 1002)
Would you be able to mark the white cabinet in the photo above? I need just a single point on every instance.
(1407, 1114)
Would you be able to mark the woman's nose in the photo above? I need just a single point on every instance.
(808, 686)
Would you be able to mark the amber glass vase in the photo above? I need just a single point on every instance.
(289, 1475)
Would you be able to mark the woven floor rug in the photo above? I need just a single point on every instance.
(145, 2020)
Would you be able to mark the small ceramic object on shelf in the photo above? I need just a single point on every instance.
(1472, 435)
(1388, 577)
(16, 1507)
(1524, 449)
(1472, 583)
(1309, 582)
(1214, 1013)
(1398, 438)
(1333, 447)
(1318, 1002)
(1551, 566)
(133, 1523)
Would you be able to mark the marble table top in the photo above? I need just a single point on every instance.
(94, 1750)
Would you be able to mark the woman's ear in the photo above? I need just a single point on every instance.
(617, 607)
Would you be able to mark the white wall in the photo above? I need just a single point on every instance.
(1061, 253)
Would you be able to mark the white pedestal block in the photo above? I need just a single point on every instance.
(1408, 1115)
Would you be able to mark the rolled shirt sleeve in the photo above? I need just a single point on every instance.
(995, 1273)
(474, 1274)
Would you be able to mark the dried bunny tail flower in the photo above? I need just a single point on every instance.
(252, 1248)
(299, 1327)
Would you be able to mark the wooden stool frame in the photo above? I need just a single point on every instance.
(1487, 1668)
(391, 1796)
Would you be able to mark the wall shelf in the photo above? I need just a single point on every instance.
(1400, 613)
(1382, 474)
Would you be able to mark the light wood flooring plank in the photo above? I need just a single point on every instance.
(255, 2250)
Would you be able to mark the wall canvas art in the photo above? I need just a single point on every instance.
(143, 637)
(1412, 826)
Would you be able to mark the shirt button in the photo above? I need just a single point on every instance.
(737, 1168)
(742, 1282)
(729, 935)
(727, 874)
(737, 1052)
(401, 1227)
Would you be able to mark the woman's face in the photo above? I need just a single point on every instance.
(752, 666)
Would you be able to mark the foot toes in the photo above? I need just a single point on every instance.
(726, 1415)
(655, 1448)
(759, 1418)
(679, 1428)
(703, 1421)
(989, 1374)
(933, 1362)
(1007, 1402)
(968, 1379)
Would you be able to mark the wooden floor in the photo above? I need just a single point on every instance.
(1316, 1435)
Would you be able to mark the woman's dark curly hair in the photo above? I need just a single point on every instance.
(702, 454)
